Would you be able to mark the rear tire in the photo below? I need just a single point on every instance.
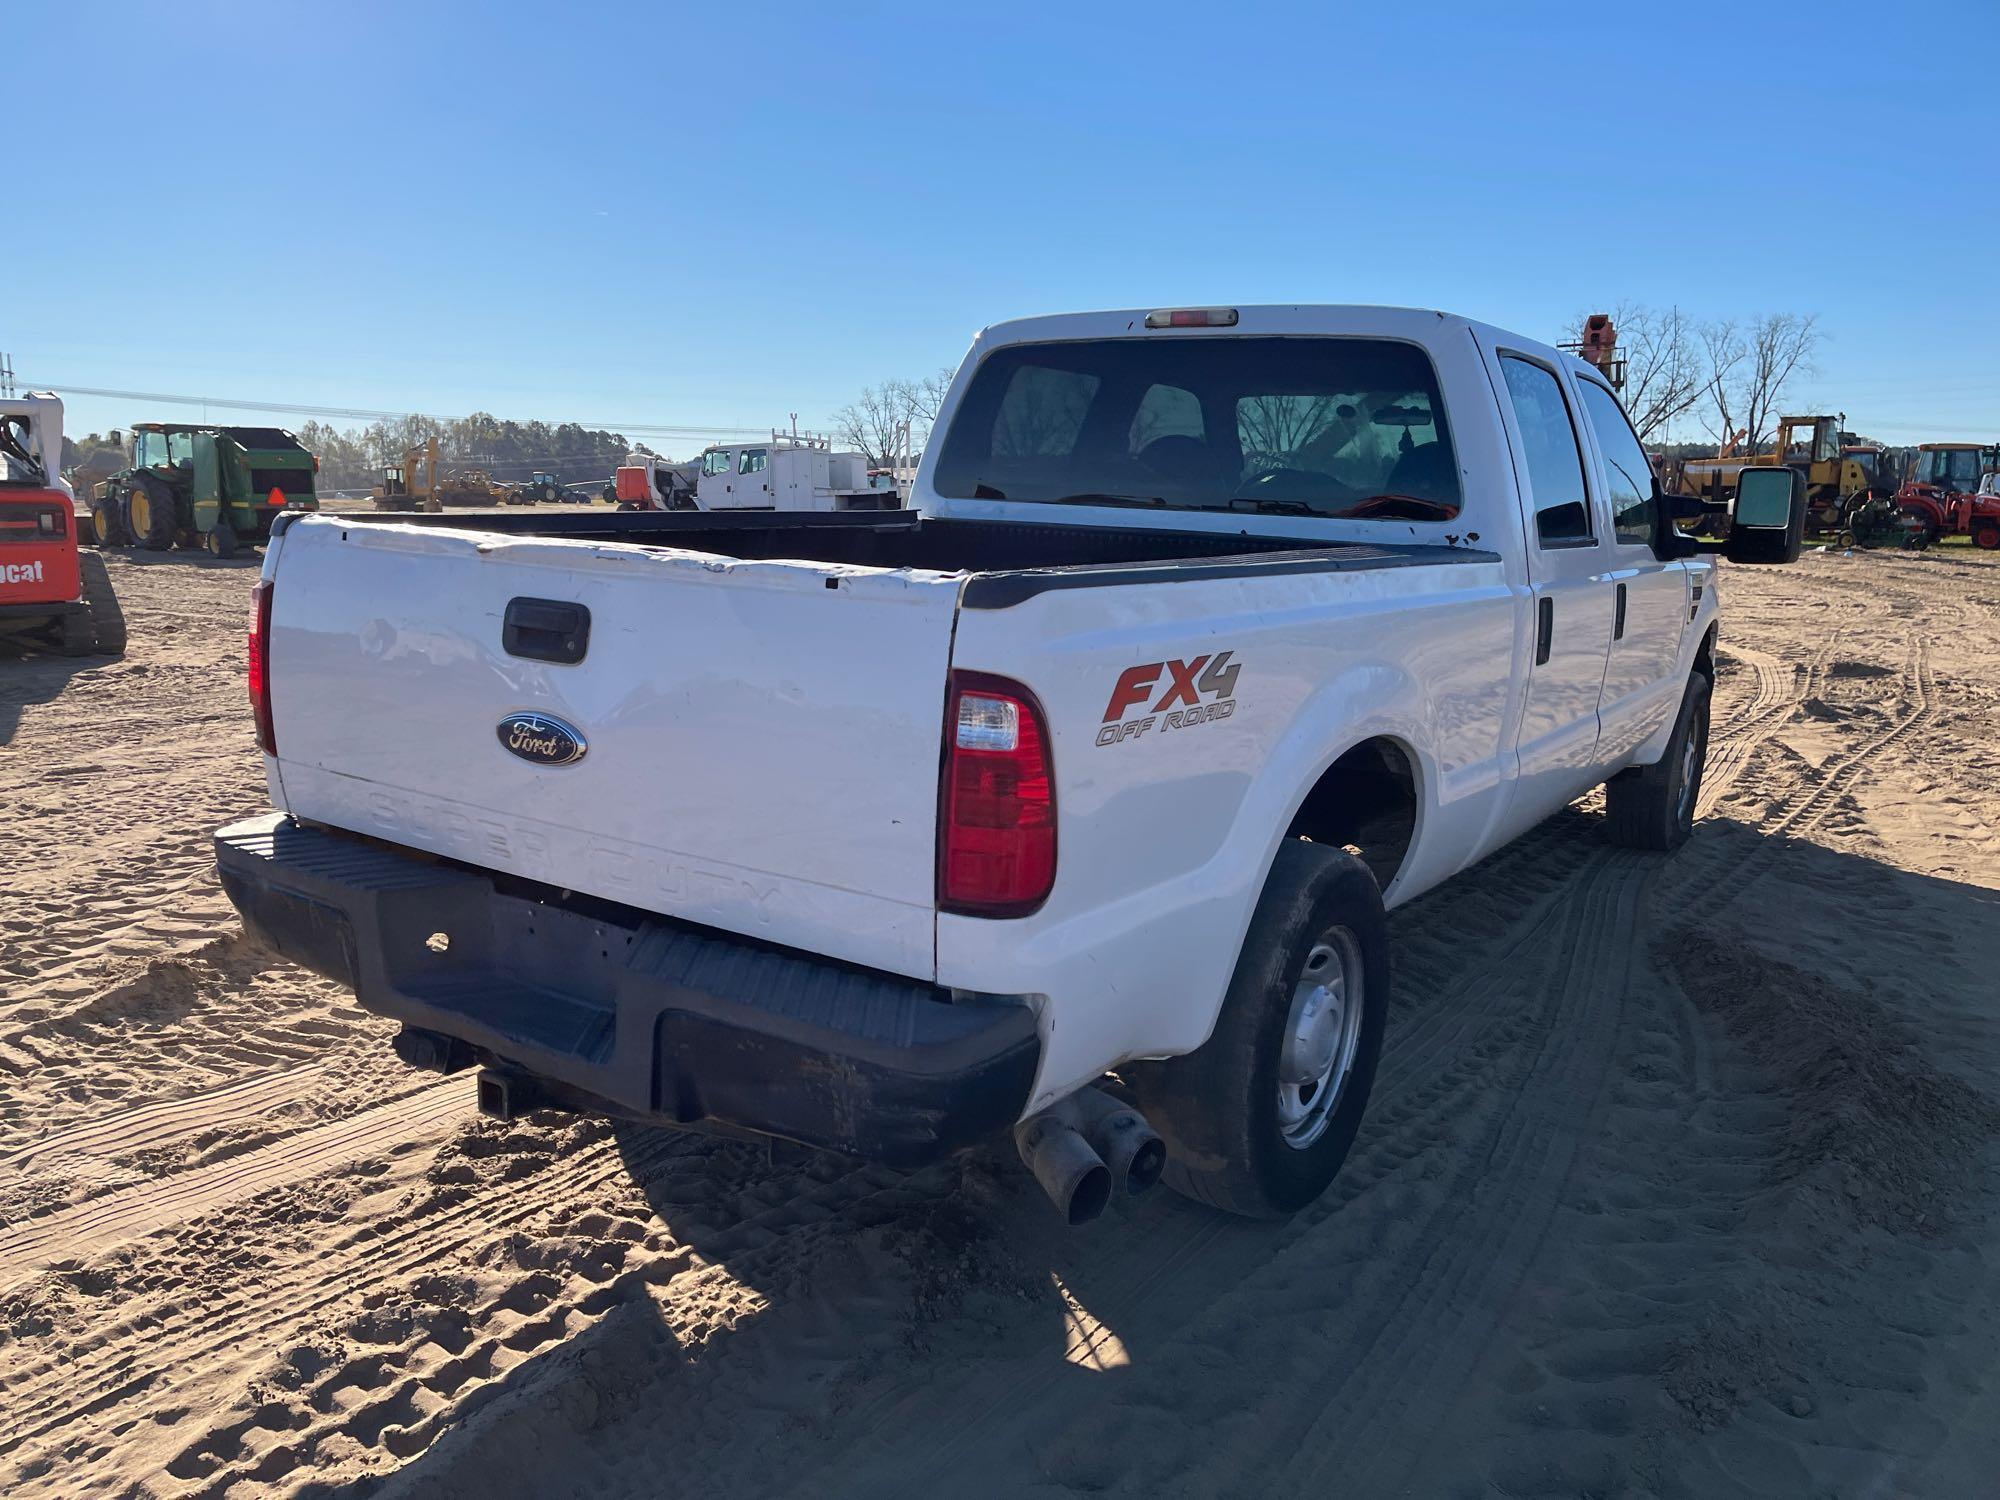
(149, 512)
(1652, 807)
(221, 542)
(1259, 1118)
(107, 620)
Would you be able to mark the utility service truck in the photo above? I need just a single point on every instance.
(1213, 633)
(787, 471)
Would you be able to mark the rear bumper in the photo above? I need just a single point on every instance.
(636, 1015)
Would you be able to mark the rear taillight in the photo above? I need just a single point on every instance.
(997, 828)
(260, 665)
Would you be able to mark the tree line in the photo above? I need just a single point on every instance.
(353, 458)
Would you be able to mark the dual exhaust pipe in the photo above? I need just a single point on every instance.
(1083, 1148)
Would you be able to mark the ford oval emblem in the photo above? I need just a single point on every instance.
(542, 738)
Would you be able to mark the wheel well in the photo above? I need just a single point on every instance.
(1365, 802)
(1704, 655)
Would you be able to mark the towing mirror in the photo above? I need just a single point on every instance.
(1767, 523)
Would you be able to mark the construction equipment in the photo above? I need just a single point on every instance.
(191, 485)
(411, 484)
(1599, 346)
(472, 487)
(1848, 496)
(51, 592)
(1948, 494)
(540, 489)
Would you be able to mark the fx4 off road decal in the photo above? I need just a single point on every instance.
(1188, 693)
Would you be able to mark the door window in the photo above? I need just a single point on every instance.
(1555, 460)
(753, 461)
(1628, 476)
(718, 461)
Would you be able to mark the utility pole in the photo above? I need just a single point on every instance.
(6, 377)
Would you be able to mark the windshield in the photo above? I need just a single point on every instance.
(1340, 427)
(1955, 469)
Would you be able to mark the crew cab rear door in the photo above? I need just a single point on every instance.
(1652, 599)
(748, 745)
(1572, 597)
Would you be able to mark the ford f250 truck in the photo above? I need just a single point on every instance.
(1212, 633)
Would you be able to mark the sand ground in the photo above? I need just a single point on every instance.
(1679, 1178)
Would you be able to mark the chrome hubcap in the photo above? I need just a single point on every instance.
(1322, 1035)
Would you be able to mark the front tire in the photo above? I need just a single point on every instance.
(1652, 807)
(1259, 1118)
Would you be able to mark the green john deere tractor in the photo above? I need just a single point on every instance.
(541, 489)
(200, 486)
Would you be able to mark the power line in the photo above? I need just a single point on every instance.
(366, 414)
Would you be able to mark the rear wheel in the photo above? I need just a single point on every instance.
(221, 542)
(1259, 1118)
(149, 511)
(1652, 807)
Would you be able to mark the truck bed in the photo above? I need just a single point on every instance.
(1014, 560)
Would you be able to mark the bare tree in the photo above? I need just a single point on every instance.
(1748, 372)
(923, 400)
(1663, 366)
(872, 423)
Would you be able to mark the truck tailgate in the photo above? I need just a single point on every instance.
(761, 739)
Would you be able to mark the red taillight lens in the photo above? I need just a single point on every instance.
(997, 834)
(260, 665)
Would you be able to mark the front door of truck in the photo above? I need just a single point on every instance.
(1652, 599)
(1571, 595)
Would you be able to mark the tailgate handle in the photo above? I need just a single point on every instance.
(546, 630)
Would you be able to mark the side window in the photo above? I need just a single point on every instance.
(719, 461)
(1166, 411)
(180, 449)
(1627, 474)
(1555, 462)
(1041, 416)
(753, 461)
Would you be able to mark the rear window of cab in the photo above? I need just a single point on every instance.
(1335, 427)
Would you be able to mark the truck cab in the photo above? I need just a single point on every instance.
(787, 471)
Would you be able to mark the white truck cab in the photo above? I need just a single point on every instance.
(1213, 633)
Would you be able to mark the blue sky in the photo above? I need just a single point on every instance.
(721, 214)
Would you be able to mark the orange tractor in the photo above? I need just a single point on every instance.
(51, 593)
(1951, 492)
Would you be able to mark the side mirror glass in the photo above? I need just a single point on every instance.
(1767, 521)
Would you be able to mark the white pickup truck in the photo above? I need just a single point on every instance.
(1213, 632)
